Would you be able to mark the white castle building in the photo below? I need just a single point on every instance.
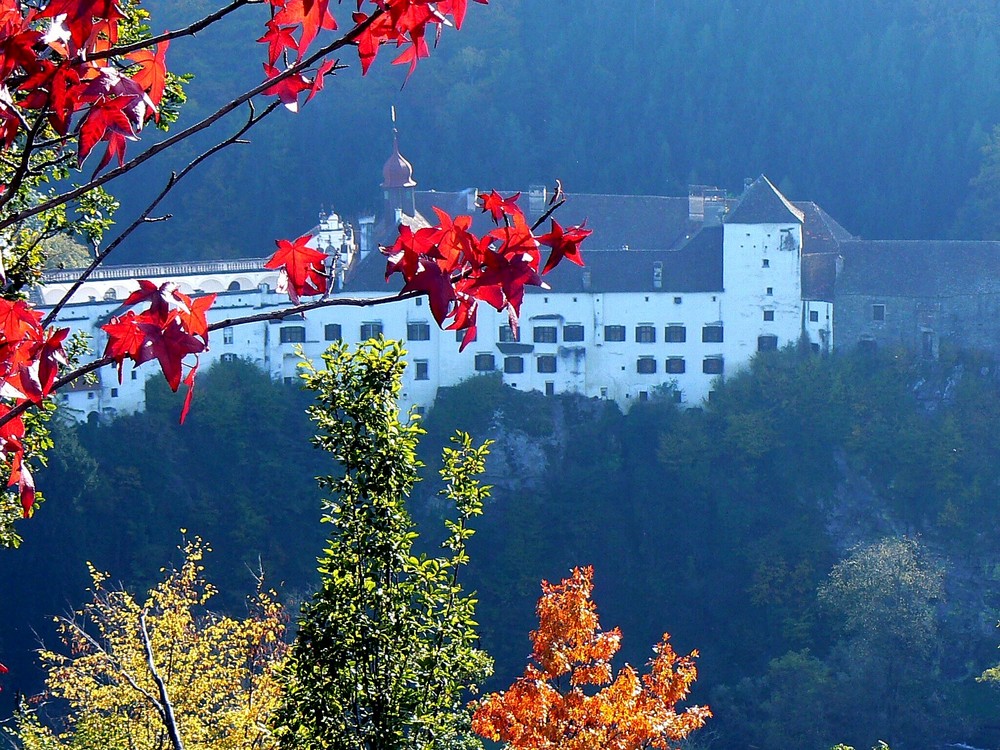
(676, 293)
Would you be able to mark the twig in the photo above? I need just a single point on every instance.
(168, 710)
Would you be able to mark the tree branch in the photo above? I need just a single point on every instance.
(168, 710)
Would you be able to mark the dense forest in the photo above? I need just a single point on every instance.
(879, 111)
(816, 531)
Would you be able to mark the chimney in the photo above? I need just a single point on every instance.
(586, 280)
(536, 199)
(658, 275)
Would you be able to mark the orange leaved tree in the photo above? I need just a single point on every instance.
(592, 711)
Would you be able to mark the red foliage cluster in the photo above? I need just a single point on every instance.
(457, 269)
(55, 60)
(172, 327)
(30, 357)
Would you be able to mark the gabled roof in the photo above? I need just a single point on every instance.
(919, 268)
(762, 203)
(820, 232)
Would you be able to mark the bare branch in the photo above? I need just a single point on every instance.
(189, 30)
(551, 210)
(114, 662)
(168, 710)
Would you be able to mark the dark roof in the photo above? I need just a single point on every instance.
(820, 232)
(697, 267)
(819, 276)
(919, 268)
(762, 203)
(642, 222)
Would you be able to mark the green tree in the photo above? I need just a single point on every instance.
(386, 648)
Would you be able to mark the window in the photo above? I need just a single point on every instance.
(712, 366)
(370, 330)
(513, 365)
(292, 334)
(769, 315)
(460, 335)
(227, 335)
(418, 302)
(645, 366)
(572, 332)
(645, 334)
(421, 370)
(644, 395)
(676, 394)
(228, 357)
(550, 388)
(234, 286)
(711, 334)
(419, 410)
(332, 332)
(419, 331)
(878, 313)
(814, 316)
(766, 264)
(135, 375)
(675, 334)
(114, 393)
(485, 363)
(546, 363)
(614, 333)
(675, 365)
(678, 300)
(110, 296)
(506, 335)
(770, 291)
(544, 335)
(767, 343)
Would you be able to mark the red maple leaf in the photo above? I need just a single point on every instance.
(437, 284)
(565, 243)
(170, 345)
(287, 89)
(126, 340)
(497, 205)
(311, 15)
(303, 267)
(152, 72)
(278, 38)
(105, 119)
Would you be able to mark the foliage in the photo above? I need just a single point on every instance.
(538, 711)
(387, 647)
(219, 673)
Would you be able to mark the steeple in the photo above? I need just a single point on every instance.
(397, 180)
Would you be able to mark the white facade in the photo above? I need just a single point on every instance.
(626, 346)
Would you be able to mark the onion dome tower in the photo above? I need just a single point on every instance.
(397, 181)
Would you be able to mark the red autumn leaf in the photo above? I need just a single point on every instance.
(565, 243)
(125, 340)
(497, 205)
(189, 382)
(320, 78)
(464, 316)
(453, 243)
(311, 15)
(195, 321)
(287, 89)
(152, 72)
(278, 38)
(169, 345)
(18, 320)
(105, 119)
(431, 280)
(303, 267)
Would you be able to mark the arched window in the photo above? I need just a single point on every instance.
(110, 296)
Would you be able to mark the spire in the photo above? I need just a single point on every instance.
(397, 171)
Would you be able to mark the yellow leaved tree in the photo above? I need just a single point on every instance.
(162, 674)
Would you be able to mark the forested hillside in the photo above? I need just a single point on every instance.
(878, 111)
(762, 530)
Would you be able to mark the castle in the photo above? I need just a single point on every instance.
(676, 293)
